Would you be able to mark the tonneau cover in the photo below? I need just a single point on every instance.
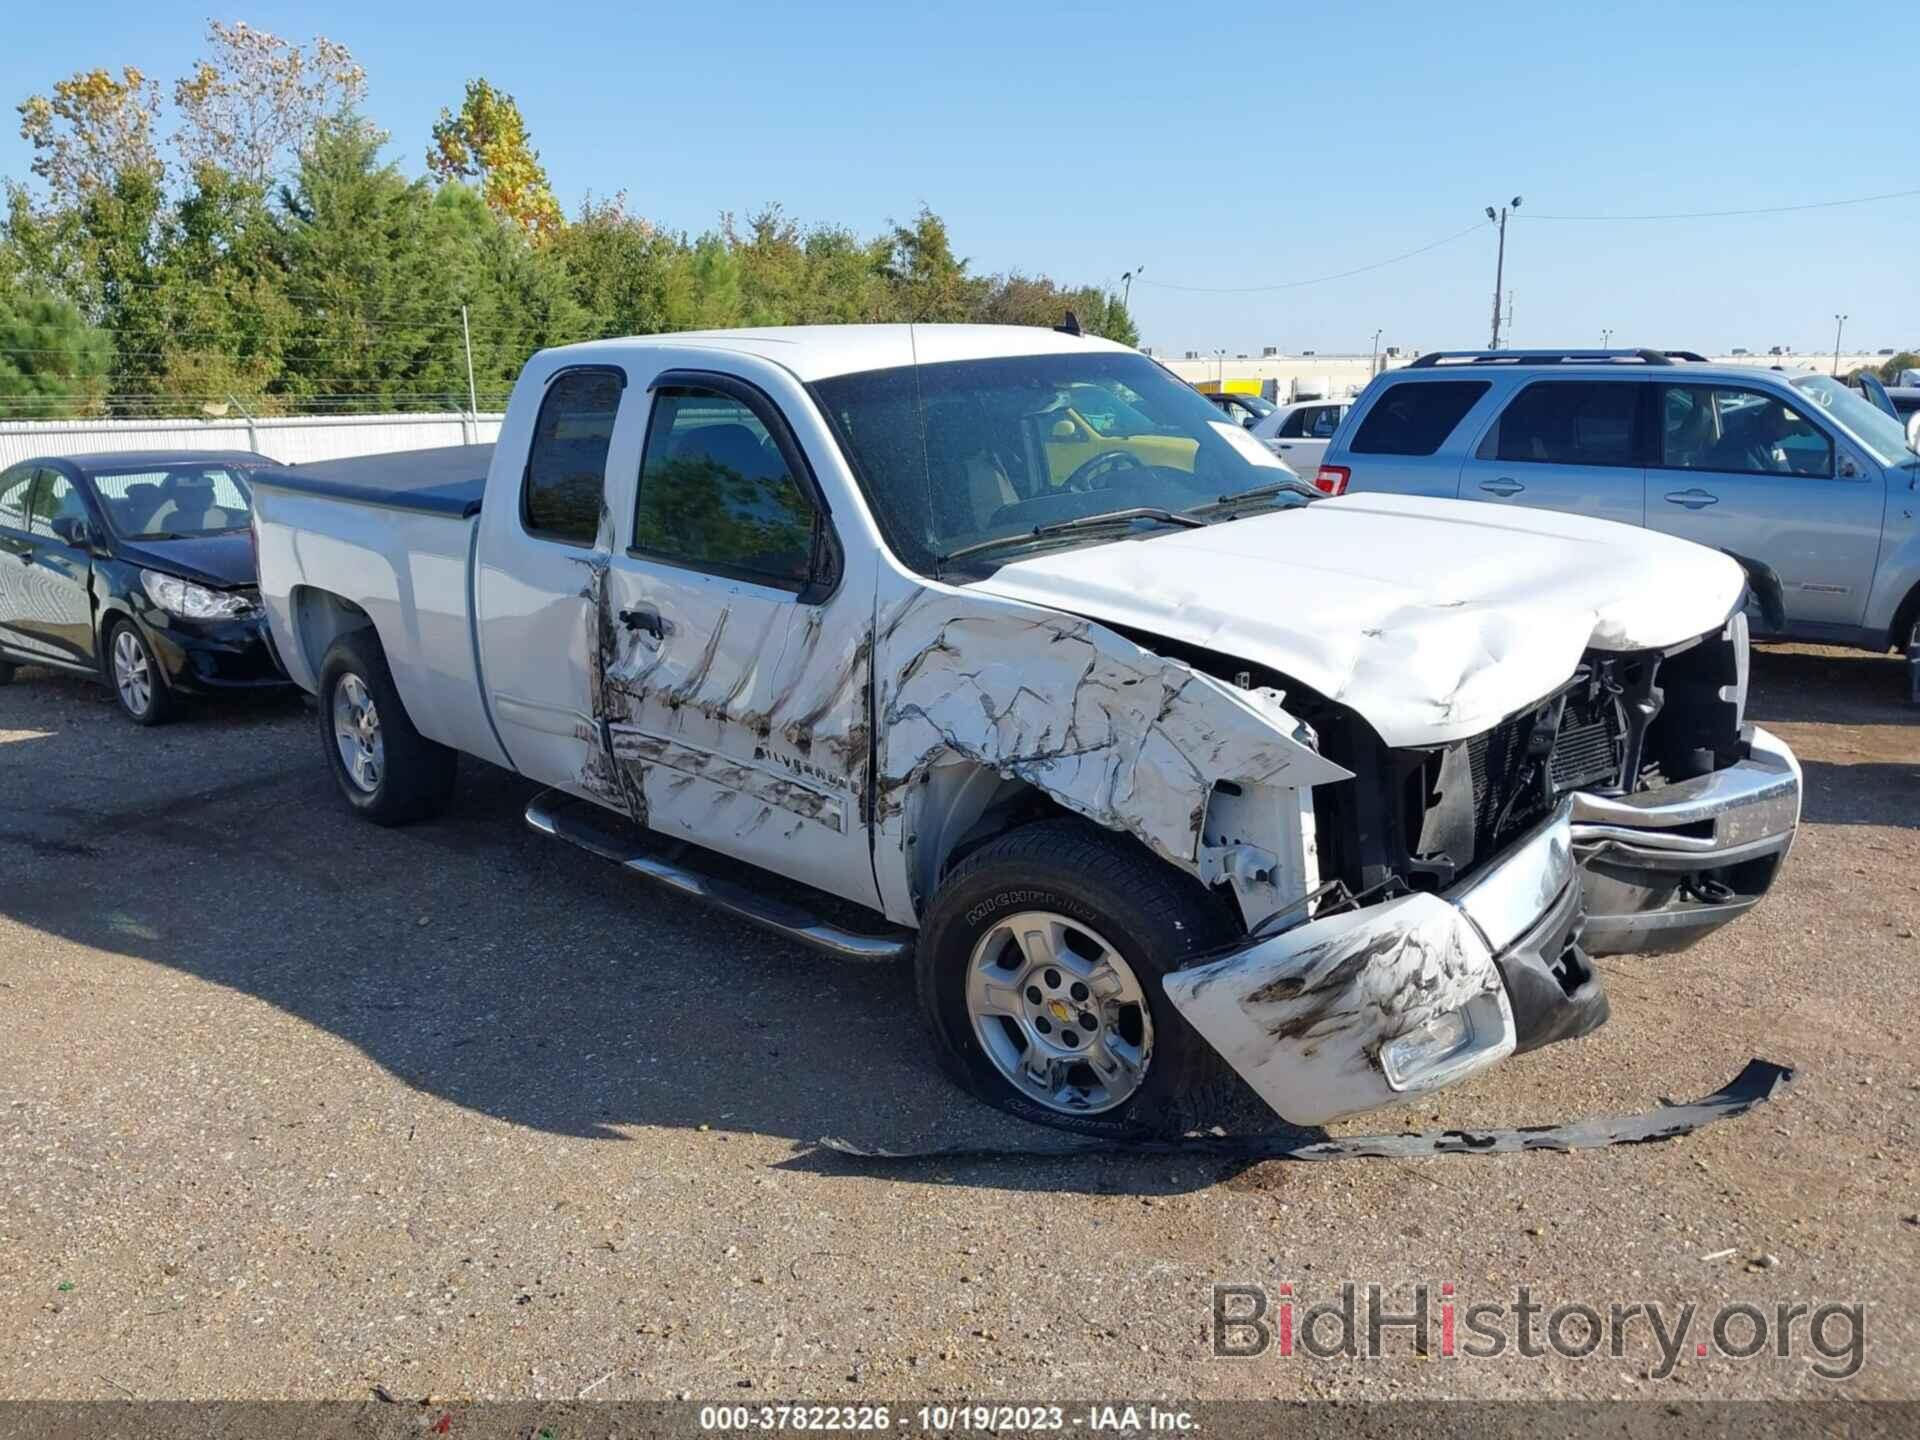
(447, 481)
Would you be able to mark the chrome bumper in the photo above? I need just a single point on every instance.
(1373, 1006)
(1664, 867)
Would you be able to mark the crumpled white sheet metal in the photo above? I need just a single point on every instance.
(1127, 738)
(1303, 1017)
(1434, 619)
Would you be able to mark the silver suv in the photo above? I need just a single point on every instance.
(1794, 474)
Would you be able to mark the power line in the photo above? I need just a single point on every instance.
(1318, 279)
(1722, 214)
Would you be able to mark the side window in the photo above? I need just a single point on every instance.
(566, 477)
(1414, 417)
(716, 492)
(14, 487)
(1294, 426)
(54, 496)
(1325, 420)
(1571, 422)
(1707, 427)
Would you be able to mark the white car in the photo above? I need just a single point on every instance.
(1298, 433)
(1002, 649)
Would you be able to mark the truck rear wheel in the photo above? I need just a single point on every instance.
(388, 771)
(1039, 969)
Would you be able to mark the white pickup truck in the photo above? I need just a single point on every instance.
(1002, 649)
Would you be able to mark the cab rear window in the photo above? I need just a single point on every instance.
(1412, 418)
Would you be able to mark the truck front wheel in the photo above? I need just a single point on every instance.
(388, 771)
(1039, 969)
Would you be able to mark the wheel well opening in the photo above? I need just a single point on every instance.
(1904, 620)
(321, 617)
(961, 806)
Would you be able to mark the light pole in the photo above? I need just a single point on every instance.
(1839, 324)
(1220, 371)
(1500, 265)
(1126, 293)
(1373, 367)
(1606, 339)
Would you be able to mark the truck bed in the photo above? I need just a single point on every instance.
(388, 538)
(449, 481)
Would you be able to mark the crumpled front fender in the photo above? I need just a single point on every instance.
(1374, 1006)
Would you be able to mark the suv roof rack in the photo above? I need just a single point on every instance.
(1550, 357)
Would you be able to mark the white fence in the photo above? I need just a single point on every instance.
(289, 439)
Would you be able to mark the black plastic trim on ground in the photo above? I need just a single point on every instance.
(1759, 1082)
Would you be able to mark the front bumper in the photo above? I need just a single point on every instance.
(1664, 867)
(208, 657)
(1373, 1006)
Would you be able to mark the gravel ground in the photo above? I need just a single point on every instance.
(291, 1106)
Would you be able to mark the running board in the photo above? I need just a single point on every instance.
(581, 822)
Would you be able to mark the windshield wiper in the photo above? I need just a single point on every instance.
(1107, 520)
(1259, 492)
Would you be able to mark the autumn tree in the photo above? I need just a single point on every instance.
(93, 129)
(487, 141)
(256, 102)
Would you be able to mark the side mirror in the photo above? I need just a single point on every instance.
(74, 530)
(1848, 470)
(1063, 430)
(1249, 422)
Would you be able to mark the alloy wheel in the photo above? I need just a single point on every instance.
(1059, 1013)
(132, 675)
(356, 730)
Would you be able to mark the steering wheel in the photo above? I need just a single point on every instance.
(1100, 466)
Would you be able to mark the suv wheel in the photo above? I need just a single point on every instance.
(1039, 969)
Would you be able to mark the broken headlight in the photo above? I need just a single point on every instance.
(194, 602)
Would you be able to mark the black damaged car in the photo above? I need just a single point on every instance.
(136, 568)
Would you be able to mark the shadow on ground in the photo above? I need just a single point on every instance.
(1847, 687)
(475, 961)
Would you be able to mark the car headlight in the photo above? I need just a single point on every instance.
(194, 602)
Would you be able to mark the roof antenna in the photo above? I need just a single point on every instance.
(1070, 325)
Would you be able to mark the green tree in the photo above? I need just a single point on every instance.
(376, 305)
(53, 365)
(1905, 360)
(930, 283)
(616, 264)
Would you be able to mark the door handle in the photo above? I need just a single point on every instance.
(1695, 499)
(1503, 486)
(645, 618)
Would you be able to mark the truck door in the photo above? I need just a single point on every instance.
(1564, 445)
(1745, 470)
(540, 546)
(735, 673)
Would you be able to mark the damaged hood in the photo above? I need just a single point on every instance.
(1434, 619)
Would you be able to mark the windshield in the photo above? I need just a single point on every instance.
(972, 450)
(174, 501)
(1870, 425)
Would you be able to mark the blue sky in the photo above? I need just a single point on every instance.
(1217, 146)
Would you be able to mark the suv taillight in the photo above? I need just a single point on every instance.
(1332, 479)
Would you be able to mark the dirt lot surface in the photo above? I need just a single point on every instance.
(293, 1106)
